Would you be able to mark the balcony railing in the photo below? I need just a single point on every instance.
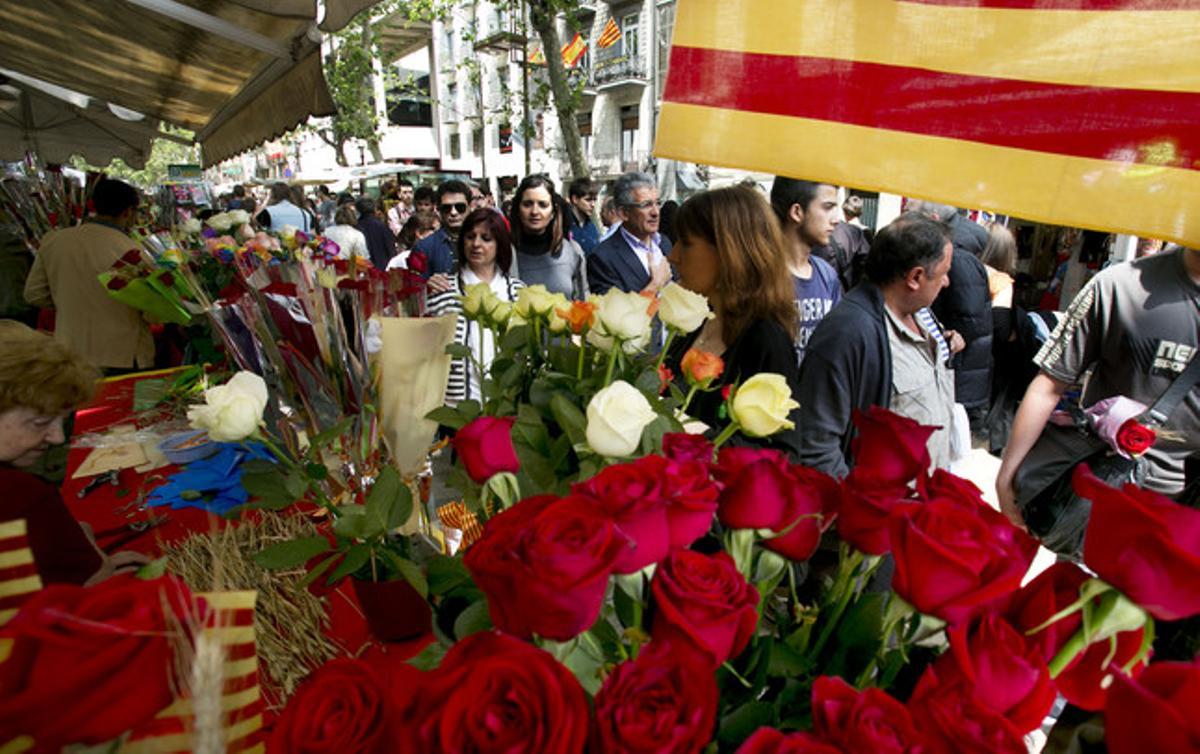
(619, 69)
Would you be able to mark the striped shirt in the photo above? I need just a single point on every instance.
(461, 385)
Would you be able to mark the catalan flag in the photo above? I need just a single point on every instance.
(610, 36)
(1078, 112)
(19, 578)
(571, 53)
(230, 625)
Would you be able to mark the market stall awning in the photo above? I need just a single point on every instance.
(236, 73)
(56, 123)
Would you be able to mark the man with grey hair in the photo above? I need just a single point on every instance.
(634, 258)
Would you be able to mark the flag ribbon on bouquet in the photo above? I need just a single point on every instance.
(19, 578)
(229, 624)
(1082, 113)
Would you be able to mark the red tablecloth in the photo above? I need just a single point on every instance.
(110, 515)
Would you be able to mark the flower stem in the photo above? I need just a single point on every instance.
(479, 366)
(612, 362)
(726, 433)
(687, 401)
(662, 355)
(843, 591)
(579, 364)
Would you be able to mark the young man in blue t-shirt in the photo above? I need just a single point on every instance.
(807, 211)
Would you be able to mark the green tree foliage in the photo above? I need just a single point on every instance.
(350, 74)
(163, 152)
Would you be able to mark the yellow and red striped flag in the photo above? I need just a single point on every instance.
(572, 51)
(1076, 112)
(19, 578)
(229, 623)
(610, 36)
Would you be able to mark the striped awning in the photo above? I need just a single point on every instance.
(1074, 112)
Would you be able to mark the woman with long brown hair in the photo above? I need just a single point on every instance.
(731, 250)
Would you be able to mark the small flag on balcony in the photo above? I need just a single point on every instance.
(572, 51)
(1019, 107)
(610, 36)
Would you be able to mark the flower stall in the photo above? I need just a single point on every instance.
(605, 578)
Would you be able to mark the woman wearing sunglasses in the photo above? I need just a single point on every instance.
(484, 256)
(544, 253)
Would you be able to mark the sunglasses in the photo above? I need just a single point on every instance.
(457, 207)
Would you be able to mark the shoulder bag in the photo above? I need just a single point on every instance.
(1048, 502)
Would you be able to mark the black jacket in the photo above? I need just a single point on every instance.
(847, 365)
(968, 236)
(764, 346)
(966, 306)
(381, 244)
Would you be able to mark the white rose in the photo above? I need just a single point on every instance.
(557, 323)
(597, 337)
(762, 403)
(534, 301)
(221, 222)
(616, 417)
(233, 411)
(191, 227)
(682, 309)
(238, 216)
(475, 301)
(624, 315)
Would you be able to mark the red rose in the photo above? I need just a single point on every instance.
(691, 498)
(665, 376)
(544, 566)
(116, 284)
(343, 706)
(1135, 438)
(88, 664)
(494, 693)
(771, 741)
(417, 262)
(631, 495)
(762, 491)
(954, 558)
(895, 448)
(1008, 674)
(680, 446)
(942, 483)
(955, 723)
(133, 256)
(1155, 711)
(661, 702)
(166, 279)
(1144, 544)
(866, 721)
(486, 447)
(863, 515)
(1082, 682)
(705, 604)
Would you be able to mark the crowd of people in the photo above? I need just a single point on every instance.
(918, 316)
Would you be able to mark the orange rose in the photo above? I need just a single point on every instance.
(701, 367)
(580, 315)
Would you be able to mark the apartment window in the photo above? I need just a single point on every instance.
(666, 27)
(477, 142)
(584, 121)
(451, 102)
(455, 147)
(629, 31)
(629, 134)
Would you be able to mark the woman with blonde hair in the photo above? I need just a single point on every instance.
(41, 383)
(731, 250)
